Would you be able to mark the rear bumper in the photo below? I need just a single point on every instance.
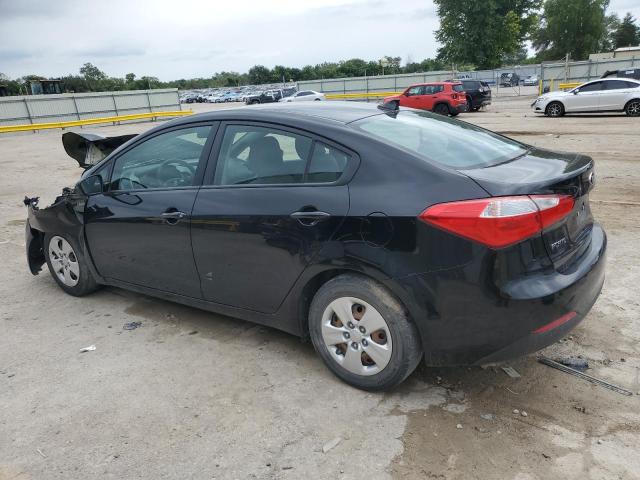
(460, 108)
(477, 322)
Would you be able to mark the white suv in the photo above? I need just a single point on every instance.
(604, 95)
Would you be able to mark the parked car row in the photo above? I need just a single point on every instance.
(234, 94)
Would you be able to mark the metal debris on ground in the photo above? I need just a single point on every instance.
(511, 372)
(331, 444)
(131, 325)
(574, 362)
(584, 376)
(524, 414)
(488, 416)
(459, 426)
(90, 348)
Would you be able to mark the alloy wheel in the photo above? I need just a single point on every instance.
(356, 336)
(64, 261)
(633, 109)
(554, 110)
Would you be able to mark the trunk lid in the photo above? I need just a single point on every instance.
(545, 172)
(88, 148)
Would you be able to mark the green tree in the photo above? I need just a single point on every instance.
(259, 74)
(483, 32)
(627, 34)
(92, 73)
(130, 77)
(576, 27)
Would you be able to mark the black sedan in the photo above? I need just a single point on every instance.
(384, 236)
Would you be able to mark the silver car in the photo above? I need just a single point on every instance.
(604, 95)
(304, 96)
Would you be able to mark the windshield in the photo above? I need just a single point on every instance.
(442, 140)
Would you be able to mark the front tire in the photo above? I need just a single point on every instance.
(68, 266)
(632, 108)
(363, 334)
(554, 109)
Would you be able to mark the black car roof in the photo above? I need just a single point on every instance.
(335, 111)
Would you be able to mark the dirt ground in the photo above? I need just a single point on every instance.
(190, 394)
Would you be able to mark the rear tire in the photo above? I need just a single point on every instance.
(632, 108)
(554, 109)
(363, 334)
(68, 266)
(470, 105)
(441, 109)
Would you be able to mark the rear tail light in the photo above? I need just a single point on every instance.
(499, 221)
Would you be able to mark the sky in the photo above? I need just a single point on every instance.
(196, 38)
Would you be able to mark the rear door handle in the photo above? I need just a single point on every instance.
(309, 219)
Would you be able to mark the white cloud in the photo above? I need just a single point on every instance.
(193, 38)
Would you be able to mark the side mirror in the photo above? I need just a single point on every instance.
(575, 92)
(91, 185)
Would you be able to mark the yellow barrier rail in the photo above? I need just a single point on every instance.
(91, 121)
(568, 86)
(360, 95)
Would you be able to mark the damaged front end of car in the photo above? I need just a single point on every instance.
(65, 216)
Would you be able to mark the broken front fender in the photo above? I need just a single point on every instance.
(64, 216)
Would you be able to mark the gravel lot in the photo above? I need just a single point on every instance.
(190, 394)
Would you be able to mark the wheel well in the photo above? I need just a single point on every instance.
(442, 103)
(316, 282)
(632, 100)
(35, 254)
(308, 292)
(554, 101)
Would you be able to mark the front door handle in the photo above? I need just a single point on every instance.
(172, 217)
(309, 219)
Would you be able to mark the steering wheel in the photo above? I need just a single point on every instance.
(183, 177)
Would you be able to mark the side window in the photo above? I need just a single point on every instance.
(438, 88)
(616, 84)
(304, 94)
(415, 91)
(459, 88)
(327, 164)
(260, 155)
(164, 161)
(592, 87)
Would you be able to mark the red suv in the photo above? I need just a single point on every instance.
(446, 98)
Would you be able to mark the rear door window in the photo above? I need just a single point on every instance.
(327, 164)
(616, 84)
(458, 88)
(256, 155)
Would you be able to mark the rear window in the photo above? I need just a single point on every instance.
(442, 140)
(470, 85)
(458, 88)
